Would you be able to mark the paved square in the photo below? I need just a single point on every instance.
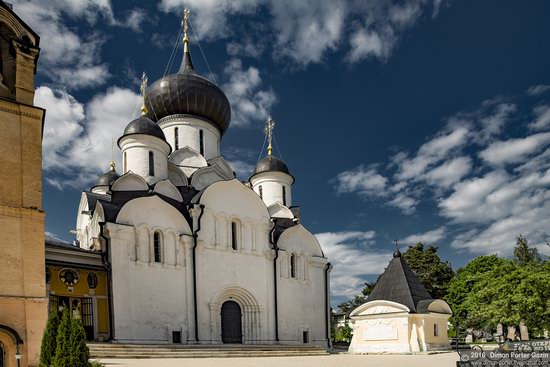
(333, 360)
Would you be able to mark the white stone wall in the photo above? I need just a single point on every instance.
(189, 133)
(272, 187)
(135, 156)
(153, 299)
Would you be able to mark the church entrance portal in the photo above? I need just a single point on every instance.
(231, 323)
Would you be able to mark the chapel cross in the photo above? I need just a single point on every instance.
(268, 130)
(185, 20)
(142, 88)
(396, 241)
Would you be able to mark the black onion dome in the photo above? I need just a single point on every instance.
(271, 164)
(143, 125)
(107, 178)
(188, 93)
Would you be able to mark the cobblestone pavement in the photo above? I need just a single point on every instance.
(333, 360)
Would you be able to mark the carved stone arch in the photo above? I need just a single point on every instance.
(278, 210)
(19, 29)
(379, 307)
(176, 175)
(188, 160)
(299, 239)
(155, 212)
(130, 182)
(221, 163)
(206, 176)
(166, 188)
(250, 308)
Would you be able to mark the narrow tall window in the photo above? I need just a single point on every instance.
(201, 142)
(125, 165)
(176, 139)
(293, 266)
(436, 330)
(156, 247)
(284, 195)
(151, 164)
(261, 191)
(233, 235)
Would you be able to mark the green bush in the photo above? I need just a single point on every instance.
(49, 342)
(63, 348)
(79, 352)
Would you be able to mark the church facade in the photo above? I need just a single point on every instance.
(193, 255)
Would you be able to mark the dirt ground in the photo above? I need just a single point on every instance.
(333, 360)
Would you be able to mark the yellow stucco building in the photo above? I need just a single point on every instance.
(23, 301)
(77, 279)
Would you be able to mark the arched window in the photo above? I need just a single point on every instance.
(261, 191)
(201, 142)
(125, 165)
(284, 195)
(176, 139)
(234, 235)
(293, 266)
(157, 247)
(151, 164)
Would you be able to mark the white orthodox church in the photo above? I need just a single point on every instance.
(193, 254)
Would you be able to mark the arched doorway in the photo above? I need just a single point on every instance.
(2, 354)
(231, 323)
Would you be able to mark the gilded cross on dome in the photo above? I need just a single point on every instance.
(142, 88)
(185, 20)
(268, 130)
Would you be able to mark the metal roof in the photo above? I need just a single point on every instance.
(400, 284)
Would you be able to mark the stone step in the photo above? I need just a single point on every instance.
(127, 351)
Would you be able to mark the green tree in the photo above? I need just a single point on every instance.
(432, 272)
(63, 348)
(523, 254)
(346, 333)
(79, 352)
(492, 290)
(49, 342)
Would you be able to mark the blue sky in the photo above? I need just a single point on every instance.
(418, 120)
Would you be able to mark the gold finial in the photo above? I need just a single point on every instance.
(143, 88)
(112, 163)
(268, 130)
(185, 20)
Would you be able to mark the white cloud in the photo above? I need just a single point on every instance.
(365, 181)
(242, 169)
(77, 138)
(70, 60)
(542, 120)
(493, 124)
(431, 152)
(536, 90)
(379, 32)
(305, 31)
(429, 237)
(449, 172)
(249, 102)
(406, 203)
(352, 258)
(499, 236)
(514, 150)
